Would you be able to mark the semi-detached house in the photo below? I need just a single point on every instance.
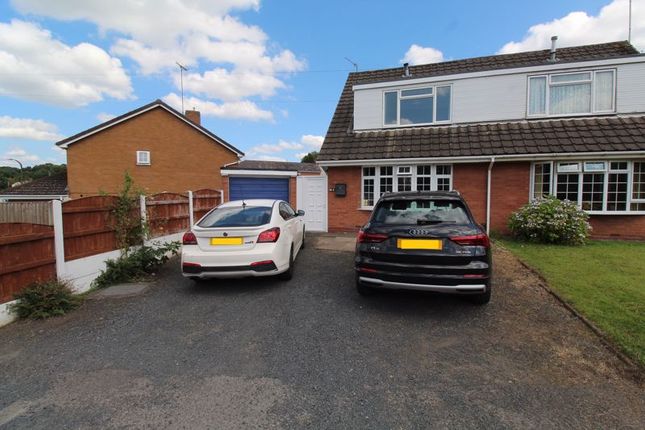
(501, 130)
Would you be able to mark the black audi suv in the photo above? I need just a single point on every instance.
(424, 241)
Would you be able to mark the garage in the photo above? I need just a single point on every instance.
(241, 188)
(301, 184)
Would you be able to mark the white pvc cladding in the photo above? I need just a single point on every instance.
(503, 95)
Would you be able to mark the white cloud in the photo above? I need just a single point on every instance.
(579, 28)
(313, 141)
(244, 109)
(27, 128)
(269, 158)
(35, 66)
(21, 155)
(422, 55)
(282, 145)
(229, 60)
(309, 142)
(221, 84)
(103, 116)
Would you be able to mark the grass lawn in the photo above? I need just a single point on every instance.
(604, 280)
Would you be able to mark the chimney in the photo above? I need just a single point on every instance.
(552, 58)
(406, 70)
(194, 116)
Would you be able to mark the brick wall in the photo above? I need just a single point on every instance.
(510, 184)
(182, 158)
(618, 226)
(470, 181)
(343, 212)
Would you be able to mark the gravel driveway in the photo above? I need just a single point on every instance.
(311, 353)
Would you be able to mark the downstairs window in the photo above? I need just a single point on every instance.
(596, 186)
(378, 180)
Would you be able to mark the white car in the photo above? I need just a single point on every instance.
(244, 238)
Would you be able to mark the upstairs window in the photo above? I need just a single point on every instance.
(143, 158)
(416, 106)
(571, 93)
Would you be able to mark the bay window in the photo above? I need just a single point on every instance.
(571, 93)
(416, 106)
(379, 180)
(596, 186)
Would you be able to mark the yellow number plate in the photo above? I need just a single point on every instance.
(419, 244)
(226, 241)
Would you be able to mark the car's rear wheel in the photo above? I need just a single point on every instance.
(481, 299)
(363, 289)
(288, 274)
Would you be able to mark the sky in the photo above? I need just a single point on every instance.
(265, 74)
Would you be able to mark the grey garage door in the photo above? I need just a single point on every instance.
(258, 188)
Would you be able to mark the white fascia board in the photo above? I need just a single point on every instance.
(181, 117)
(613, 155)
(511, 71)
(259, 173)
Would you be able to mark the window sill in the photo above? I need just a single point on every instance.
(570, 115)
(366, 208)
(593, 213)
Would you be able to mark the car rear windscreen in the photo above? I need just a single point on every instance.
(420, 212)
(241, 216)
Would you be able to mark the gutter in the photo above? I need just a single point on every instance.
(488, 194)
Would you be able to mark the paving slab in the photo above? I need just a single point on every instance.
(122, 290)
(343, 242)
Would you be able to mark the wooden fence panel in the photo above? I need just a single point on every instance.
(167, 213)
(26, 212)
(203, 201)
(88, 226)
(27, 255)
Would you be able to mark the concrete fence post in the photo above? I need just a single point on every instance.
(144, 214)
(59, 238)
(191, 215)
(221, 196)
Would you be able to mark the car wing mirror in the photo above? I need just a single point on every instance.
(300, 212)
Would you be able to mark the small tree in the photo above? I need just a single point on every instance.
(310, 158)
(128, 225)
(550, 220)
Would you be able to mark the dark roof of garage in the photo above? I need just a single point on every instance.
(54, 185)
(273, 165)
(520, 137)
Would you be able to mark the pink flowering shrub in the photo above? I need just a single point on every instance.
(549, 220)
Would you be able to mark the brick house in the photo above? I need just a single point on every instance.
(501, 130)
(159, 147)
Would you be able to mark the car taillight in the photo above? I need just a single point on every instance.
(189, 238)
(270, 235)
(370, 237)
(474, 240)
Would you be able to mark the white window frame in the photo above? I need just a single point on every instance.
(553, 185)
(434, 105)
(549, 84)
(146, 162)
(532, 185)
(395, 175)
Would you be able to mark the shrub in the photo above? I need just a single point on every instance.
(45, 299)
(135, 265)
(550, 220)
